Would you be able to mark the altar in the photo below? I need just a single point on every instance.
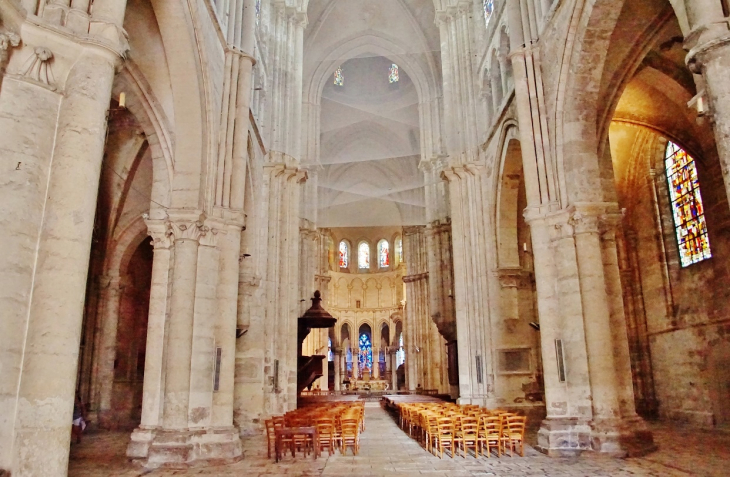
(367, 384)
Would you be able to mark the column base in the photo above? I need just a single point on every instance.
(181, 449)
(567, 437)
(139, 443)
(564, 437)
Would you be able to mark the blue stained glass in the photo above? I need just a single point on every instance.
(339, 77)
(687, 208)
(348, 359)
(330, 354)
(258, 11)
(366, 352)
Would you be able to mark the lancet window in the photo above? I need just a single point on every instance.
(330, 354)
(393, 76)
(400, 355)
(344, 254)
(339, 77)
(258, 11)
(687, 208)
(488, 10)
(399, 249)
(363, 255)
(383, 254)
(366, 352)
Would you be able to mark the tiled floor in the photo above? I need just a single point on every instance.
(386, 450)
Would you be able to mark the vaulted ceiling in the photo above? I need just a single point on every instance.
(369, 128)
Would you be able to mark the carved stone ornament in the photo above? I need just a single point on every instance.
(37, 68)
(8, 40)
(188, 230)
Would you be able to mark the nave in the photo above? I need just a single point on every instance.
(385, 450)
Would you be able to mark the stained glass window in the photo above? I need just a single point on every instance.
(339, 77)
(383, 254)
(689, 214)
(366, 352)
(363, 255)
(258, 11)
(330, 354)
(488, 10)
(348, 360)
(393, 76)
(344, 255)
(399, 249)
(400, 355)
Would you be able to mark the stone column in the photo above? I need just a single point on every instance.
(46, 391)
(154, 380)
(376, 362)
(111, 298)
(225, 328)
(596, 318)
(355, 363)
(338, 372)
(393, 369)
(171, 443)
(709, 55)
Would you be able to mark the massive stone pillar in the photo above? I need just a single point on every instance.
(46, 388)
(709, 55)
(471, 290)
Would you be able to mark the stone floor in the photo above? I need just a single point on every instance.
(386, 450)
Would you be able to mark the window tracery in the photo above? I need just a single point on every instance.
(687, 208)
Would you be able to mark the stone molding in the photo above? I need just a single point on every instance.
(415, 278)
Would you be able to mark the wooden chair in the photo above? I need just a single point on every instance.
(445, 436)
(490, 434)
(467, 435)
(350, 435)
(270, 437)
(432, 430)
(514, 434)
(326, 435)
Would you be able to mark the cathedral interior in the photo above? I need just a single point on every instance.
(513, 204)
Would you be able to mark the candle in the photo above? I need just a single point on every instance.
(122, 100)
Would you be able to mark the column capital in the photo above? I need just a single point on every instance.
(159, 230)
(188, 230)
